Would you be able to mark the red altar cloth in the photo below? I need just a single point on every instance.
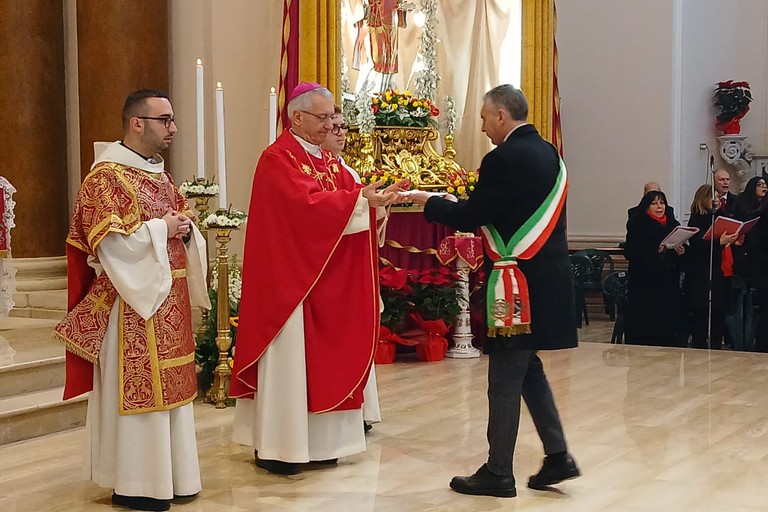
(412, 242)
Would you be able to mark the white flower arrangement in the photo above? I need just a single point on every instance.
(199, 187)
(231, 218)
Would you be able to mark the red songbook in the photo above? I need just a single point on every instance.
(730, 226)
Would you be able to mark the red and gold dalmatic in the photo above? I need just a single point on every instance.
(156, 356)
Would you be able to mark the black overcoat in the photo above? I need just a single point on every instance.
(697, 259)
(514, 180)
(653, 314)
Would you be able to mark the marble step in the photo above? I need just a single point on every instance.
(45, 304)
(29, 376)
(38, 413)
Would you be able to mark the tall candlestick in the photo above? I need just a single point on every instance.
(272, 115)
(220, 146)
(200, 122)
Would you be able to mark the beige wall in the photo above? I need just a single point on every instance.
(636, 80)
(239, 43)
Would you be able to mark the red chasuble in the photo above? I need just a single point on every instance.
(295, 252)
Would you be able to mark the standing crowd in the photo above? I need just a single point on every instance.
(696, 289)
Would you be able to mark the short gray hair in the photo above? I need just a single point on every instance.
(303, 101)
(509, 98)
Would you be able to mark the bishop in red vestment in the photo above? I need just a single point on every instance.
(309, 311)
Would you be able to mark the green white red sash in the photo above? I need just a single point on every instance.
(508, 308)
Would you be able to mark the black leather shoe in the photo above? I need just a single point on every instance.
(140, 502)
(556, 468)
(485, 483)
(367, 427)
(326, 462)
(277, 467)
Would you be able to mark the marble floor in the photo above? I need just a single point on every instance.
(652, 428)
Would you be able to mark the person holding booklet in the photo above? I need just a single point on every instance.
(751, 261)
(696, 285)
(653, 292)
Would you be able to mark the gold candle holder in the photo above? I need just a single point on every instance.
(222, 373)
(449, 152)
(202, 207)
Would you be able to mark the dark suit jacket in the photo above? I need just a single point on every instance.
(730, 204)
(514, 180)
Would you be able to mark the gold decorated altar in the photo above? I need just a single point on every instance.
(399, 152)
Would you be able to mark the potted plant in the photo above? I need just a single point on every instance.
(731, 102)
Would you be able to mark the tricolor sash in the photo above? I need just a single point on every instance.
(508, 308)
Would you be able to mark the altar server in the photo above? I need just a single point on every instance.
(136, 264)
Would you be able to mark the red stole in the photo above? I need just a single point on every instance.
(295, 253)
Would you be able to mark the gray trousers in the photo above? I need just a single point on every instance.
(512, 374)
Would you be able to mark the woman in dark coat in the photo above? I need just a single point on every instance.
(653, 292)
(752, 261)
(697, 271)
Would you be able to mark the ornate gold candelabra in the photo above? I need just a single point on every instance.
(202, 207)
(222, 373)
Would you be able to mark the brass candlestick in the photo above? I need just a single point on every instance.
(449, 152)
(222, 373)
(202, 207)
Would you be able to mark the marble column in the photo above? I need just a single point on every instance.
(122, 45)
(33, 137)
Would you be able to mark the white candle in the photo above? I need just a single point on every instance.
(200, 122)
(272, 115)
(220, 146)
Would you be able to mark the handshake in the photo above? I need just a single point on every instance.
(399, 193)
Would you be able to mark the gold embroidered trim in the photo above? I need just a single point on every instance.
(179, 272)
(177, 361)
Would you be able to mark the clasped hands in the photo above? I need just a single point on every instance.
(179, 225)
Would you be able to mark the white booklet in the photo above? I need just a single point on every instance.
(430, 194)
(679, 236)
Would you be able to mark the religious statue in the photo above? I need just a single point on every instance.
(380, 20)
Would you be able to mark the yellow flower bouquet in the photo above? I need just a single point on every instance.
(395, 108)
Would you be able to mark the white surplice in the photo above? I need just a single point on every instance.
(149, 454)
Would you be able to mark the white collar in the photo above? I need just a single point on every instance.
(513, 129)
(119, 154)
(308, 146)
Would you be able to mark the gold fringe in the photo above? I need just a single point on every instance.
(493, 331)
(71, 347)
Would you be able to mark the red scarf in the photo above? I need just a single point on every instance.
(661, 220)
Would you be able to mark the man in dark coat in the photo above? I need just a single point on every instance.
(726, 198)
(516, 179)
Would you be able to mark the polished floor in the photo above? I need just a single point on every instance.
(652, 428)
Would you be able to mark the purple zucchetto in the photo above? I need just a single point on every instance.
(302, 88)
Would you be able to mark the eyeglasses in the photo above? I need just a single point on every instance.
(323, 118)
(761, 184)
(338, 128)
(166, 120)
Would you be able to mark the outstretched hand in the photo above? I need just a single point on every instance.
(377, 199)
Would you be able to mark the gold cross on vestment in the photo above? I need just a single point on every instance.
(100, 302)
